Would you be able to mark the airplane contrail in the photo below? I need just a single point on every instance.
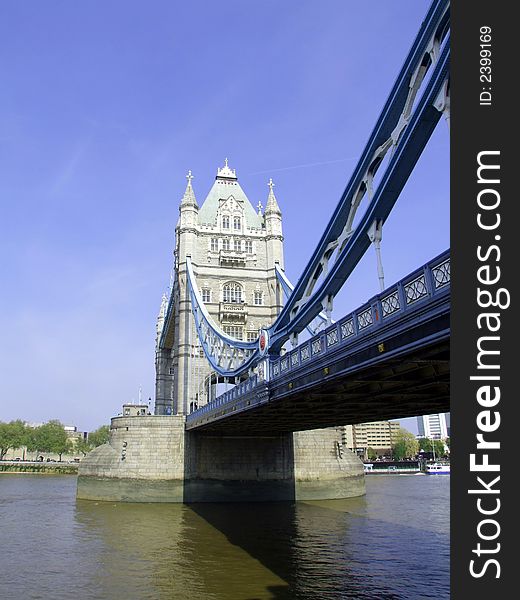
(315, 164)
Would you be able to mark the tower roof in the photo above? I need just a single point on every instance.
(189, 195)
(272, 204)
(225, 186)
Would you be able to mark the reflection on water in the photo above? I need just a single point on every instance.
(391, 544)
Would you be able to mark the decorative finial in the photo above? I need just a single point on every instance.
(259, 207)
(272, 205)
(226, 172)
(189, 196)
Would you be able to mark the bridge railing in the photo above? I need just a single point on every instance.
(237, 391)
(424, 283)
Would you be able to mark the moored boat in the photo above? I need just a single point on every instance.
(437, 469)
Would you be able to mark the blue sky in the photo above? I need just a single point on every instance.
(104, 107)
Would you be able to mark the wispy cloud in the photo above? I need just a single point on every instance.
(69, 167)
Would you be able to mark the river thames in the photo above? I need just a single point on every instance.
(391, 544)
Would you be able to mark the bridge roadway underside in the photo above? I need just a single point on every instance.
(408, 377)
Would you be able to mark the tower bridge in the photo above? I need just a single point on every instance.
(245, 408)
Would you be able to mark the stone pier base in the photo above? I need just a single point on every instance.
(153, 459)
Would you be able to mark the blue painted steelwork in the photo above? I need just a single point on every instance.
(226, 354)
(295, 315)
(388, 131)
(238, 391)
(418, 287)
(416, 292)
(288, 288)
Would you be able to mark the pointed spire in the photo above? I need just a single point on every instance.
(272, 204)
(259, 207)
(189, 195)
(161, 317)
(164, 306)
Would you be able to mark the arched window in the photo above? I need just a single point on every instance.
(236, 223)
(225, 222)
(232, 292)
(225, 244)
(249, 247)
(237, 246)
(214, 244)
(258, 298)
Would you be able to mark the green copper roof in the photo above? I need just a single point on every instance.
(227, 185)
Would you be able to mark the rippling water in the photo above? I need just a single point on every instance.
(391, 544)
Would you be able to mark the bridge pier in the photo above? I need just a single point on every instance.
(153, 459)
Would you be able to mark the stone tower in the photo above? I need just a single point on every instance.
(233, 249)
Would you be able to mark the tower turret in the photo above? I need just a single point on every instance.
(188, 208)
(186, 231)
(273, 228)
(160, 317)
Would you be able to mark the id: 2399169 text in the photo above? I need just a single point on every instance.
(485, 66)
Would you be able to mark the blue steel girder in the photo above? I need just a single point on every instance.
(296, 314)
(288, 288)
(228, 356)
(400, 127)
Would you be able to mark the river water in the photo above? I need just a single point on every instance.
(391, 544)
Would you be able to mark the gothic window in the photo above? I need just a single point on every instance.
(237, 245)
(258, 298)
(249, 247)
(225, 222)
(206, 295)
(214, 244)
(225, 244)
(232, 292)
(234, 331)
(236, 223)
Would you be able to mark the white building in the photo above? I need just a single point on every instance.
(433, 426)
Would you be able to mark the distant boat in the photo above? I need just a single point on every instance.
(437, 469)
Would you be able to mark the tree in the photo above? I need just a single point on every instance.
(83, 446)
(405, 445)
(12, 435)
(99, 436)
(429, 445)
(49, 437)
(371, 453)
